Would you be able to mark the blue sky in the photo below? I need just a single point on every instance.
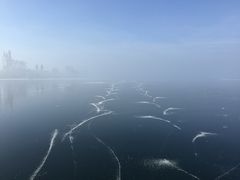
(94, 34)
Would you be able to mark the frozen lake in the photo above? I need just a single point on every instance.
(70, 129)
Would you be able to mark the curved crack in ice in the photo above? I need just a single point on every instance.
(160, 119)
(111, 151)
(98, 108)
(35, 173)
(150, 103)
(85, 121)
(227, 172)
(203, 135)
(101, 97)
(159, 97)
(168, 111)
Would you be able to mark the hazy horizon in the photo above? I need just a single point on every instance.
(126, 40)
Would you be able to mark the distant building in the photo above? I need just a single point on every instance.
(36, 67)
(10, 64)
(41, 67)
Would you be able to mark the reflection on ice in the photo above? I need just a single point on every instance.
(165, 163)
(96, 82)
(160, 163)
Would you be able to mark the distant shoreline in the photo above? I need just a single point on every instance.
(40, 79)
